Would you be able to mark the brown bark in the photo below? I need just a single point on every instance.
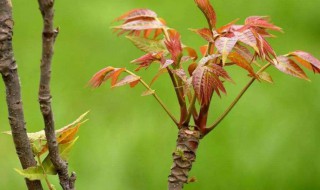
(8, 69)
(48, 38)
(183, 158)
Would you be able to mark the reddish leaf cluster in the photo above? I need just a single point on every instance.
(113, 74)
(231, 44)
(289, 66)
(233, 41)
(174, 46)
(138, 20)
(146, 60)
(206, 80)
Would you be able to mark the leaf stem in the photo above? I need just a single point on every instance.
(156, 97)
(181, 100)
(176, 84)
(235, 101)
(190, 109)
(44, 173)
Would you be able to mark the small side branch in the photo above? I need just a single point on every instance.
(8, 70)
(48, 38)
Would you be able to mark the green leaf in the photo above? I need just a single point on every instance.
(265, 77)
(147, 45)
(64, 150)
(32, 173)
(148, 92)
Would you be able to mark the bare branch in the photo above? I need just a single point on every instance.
(8, 70)
(48, 38)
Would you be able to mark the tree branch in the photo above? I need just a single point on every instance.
(48, 38)
(8, 69)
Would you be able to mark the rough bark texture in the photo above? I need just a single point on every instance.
(183, 157)
(48, 38)
(8, 69)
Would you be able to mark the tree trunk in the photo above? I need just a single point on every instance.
(183, 157)
(8, 70)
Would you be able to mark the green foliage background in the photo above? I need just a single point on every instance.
(270, 140)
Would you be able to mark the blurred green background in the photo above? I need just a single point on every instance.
(271, 140)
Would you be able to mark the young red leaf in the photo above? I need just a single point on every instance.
(263, 32)
(137, 14)
(146, 60)
(220, 72)
(181, 74)
(130, 79)
(288, 66)
(203, 50)
(115, 75)
(140, 25)
(101, 76)
(244, 52)
(226, 27)
(265, 50)
(242, 62)
(205, 33)
(166, 63)
(134, 83)
(307, 60)
(157, 33)
(208, 11)
(205, 60)
(261, 22)
(225, 46)
(191, 52)
(191, 68)
(202, 82)
(247, 37)
(205, 80)
(173, 45)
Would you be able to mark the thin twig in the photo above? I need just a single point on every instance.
(48, 38)
(156, 97)
(8, 70)
(235, 101)
(44, 173)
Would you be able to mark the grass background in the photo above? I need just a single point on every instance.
(270, 140)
